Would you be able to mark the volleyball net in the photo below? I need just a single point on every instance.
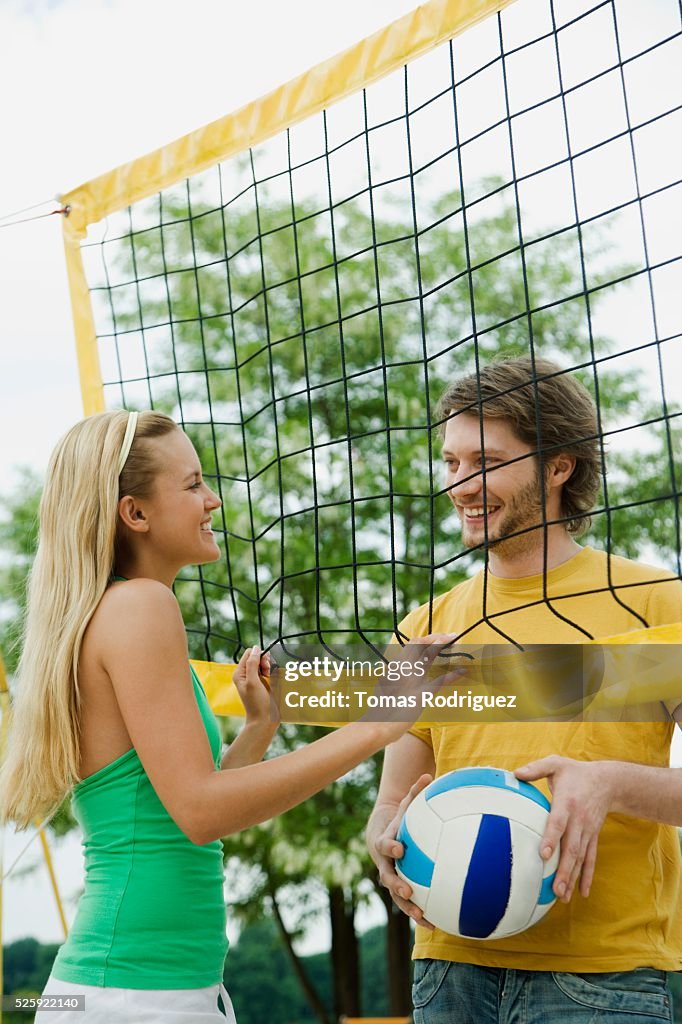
(297, 283)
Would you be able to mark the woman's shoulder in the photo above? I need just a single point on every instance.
(140, 604)
(141, 586)
(134, 620)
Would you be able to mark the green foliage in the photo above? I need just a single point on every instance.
(260, 979)
(261, 983)
(321, 352)
(27, 964)
(644, 513)
(295, 859)
(26, 967)
(18, 540)
(258, 975)
(325, 344)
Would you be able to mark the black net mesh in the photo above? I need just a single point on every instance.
(300, 308)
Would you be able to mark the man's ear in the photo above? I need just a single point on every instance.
(560, 469)
(132, 514)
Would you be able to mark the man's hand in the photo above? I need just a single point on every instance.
(581, 799)
(386, 850)
(420, 673)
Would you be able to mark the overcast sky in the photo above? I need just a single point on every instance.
(88, 85)
(93, 84)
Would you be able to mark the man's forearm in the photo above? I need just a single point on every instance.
(643, 791)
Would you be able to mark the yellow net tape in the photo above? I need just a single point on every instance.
(353, 69)
(376, 1020)
(328, 82)
(658, 676)
(220, 690)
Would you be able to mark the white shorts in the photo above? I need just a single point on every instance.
(138, 1006)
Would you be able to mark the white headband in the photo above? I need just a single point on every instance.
(127, 441)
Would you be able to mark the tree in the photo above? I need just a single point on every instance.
(18, 539)
(258, 977)
(332, 351)
(321, 353)
(307, 863)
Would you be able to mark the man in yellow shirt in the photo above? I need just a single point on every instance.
(601, 953)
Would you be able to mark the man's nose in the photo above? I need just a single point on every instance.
(465, 481)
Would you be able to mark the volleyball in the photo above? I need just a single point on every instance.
(472, 853)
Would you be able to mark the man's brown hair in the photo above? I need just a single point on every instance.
(538, 399)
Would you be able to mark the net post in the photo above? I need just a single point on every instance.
(90, 373)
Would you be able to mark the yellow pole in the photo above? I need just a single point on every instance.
(90, 373)
(5, 711)
(53, 879)
(4, 723)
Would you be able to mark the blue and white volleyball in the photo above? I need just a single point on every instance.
(472, 853)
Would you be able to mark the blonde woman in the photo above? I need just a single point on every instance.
(107, 707)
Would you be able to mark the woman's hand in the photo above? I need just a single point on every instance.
(252, 680)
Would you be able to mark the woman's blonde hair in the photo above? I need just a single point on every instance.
(74, 563)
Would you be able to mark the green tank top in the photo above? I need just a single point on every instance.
(152, 912)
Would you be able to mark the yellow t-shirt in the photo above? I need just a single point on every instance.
(632, 917)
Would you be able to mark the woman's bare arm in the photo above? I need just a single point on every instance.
(144, 651)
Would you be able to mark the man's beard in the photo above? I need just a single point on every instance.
(523, 513)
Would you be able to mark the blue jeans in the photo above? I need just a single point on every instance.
(454, 993)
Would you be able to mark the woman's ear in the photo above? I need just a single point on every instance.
(132, 515)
